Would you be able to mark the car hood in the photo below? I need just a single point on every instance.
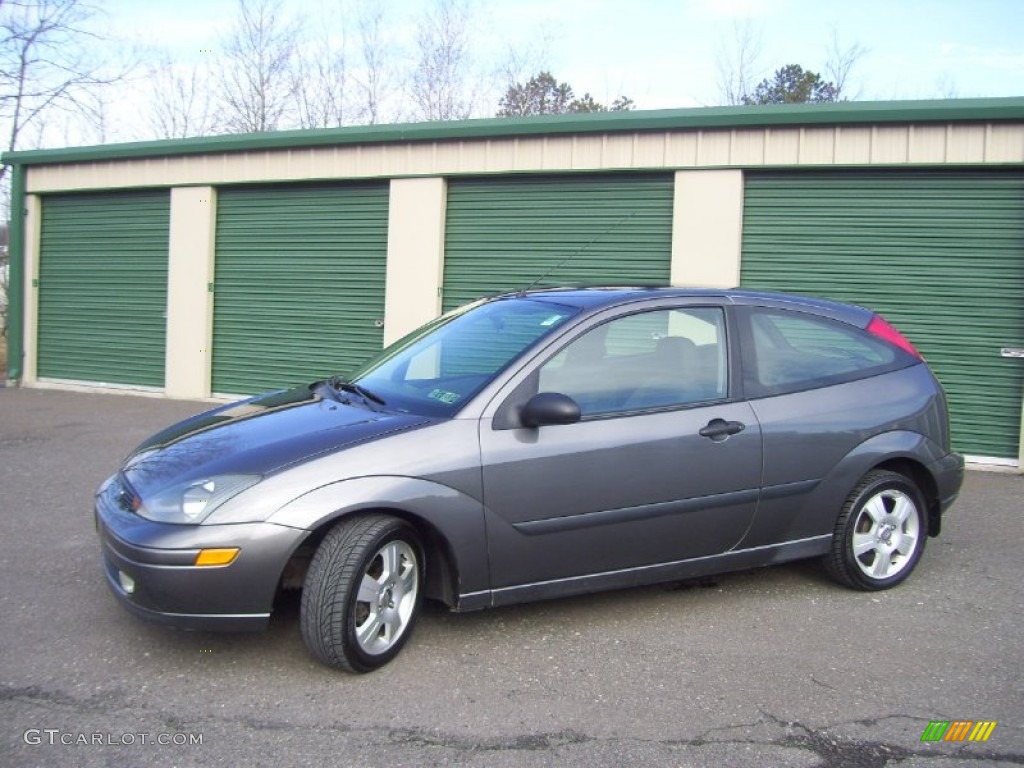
(257, 436)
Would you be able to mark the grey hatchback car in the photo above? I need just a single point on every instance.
(536, 445)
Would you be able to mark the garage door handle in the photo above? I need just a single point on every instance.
(719, 429)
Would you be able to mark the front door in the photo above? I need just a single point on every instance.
(634, 483)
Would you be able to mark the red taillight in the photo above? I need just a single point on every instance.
(879, 327)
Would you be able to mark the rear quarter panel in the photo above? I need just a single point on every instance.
(819, 443)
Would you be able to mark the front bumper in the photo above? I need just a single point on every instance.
(157, 561)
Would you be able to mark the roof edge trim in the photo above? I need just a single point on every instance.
(776, 115)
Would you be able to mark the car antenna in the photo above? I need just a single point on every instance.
(582, 249)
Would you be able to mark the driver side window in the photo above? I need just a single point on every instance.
(654, 359)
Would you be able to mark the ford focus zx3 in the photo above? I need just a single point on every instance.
(537, 445)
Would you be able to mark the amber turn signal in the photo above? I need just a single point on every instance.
(217, 556)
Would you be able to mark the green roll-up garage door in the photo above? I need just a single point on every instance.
(940, 254)
(299, 283)
(504, 234)
(103, 287)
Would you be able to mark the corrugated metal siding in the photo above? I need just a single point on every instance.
(505, 234)
(939, 254)
(969, 138)
(103, 287)
(299, 283)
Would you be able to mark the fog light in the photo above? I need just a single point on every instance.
(127, 582)
(216, 556)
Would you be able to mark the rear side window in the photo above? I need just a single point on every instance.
(792, 351)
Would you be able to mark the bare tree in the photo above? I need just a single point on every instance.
(376, 76)
(258, 87)
(840, 63)
(946, 87)
(182, 103)
(49, 61)
(438, 84)
(737, 63)
(322, 81)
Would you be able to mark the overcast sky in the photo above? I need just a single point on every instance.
(661, 53)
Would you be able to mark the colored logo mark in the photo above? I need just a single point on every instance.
(958, 730)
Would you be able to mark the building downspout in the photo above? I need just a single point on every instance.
(16, 277)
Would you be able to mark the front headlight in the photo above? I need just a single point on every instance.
(194, 503)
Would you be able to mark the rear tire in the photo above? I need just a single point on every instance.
(880, 533)
(362, 592)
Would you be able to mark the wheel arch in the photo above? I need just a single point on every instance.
(904, 452)
(448, 523)
(918, 473)
(440, 566)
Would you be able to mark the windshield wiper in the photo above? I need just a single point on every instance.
(339, 383)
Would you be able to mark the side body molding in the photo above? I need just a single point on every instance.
(781, 518)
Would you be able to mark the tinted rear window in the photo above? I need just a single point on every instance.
(792, 351)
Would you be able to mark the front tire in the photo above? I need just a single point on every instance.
(362, 592)
(880, 533)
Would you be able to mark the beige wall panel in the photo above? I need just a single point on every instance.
(781, 147)
(748, 148)
(681, 149)
(472, 154)
(966, 144)
(501, 155)
(415, 266)
(303, 163)
(313, 162)
(46, 177)
(817, 146)
(618, 151)
(1005, 144)
(174, 170)
(890, 144)
(856, 145)
(233, 170)
(714, 148)
(283, 165)
(399, 162)
(707, 228)
(447, 155)
(250, 165)
(853, 146)
(587, 152)
(650, 150)
(927, 144)
(529, 154)
(557, 153)
(368, 160)
(189, 301)
(33, 230)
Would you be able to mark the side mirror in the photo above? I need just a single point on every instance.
(548, 408)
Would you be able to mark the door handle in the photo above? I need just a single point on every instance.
(720, 429)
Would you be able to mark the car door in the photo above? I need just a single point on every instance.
(663, 466)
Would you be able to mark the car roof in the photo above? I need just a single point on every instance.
(599, 297)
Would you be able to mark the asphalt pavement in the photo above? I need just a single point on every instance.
(775, 667)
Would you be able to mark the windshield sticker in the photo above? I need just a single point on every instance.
(551, 320)
(445, 396)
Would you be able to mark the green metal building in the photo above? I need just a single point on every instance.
(233, 264)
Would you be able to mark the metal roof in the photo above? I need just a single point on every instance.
(775, 115)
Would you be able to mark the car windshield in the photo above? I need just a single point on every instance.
(435, 370)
